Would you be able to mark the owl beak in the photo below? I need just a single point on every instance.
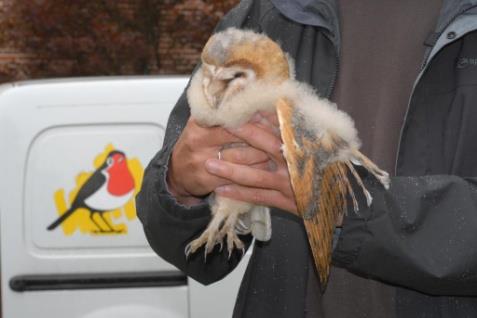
(214, 92)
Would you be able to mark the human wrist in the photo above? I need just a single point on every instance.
(179, 193)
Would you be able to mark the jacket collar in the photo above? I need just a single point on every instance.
(450, 10)
(319, 13)
(324, 13)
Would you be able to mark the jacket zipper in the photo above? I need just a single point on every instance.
(423, 69)
(334, 78)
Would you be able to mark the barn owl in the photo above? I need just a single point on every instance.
(243, 72)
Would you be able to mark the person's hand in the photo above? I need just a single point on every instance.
(187, 178)
(269, 187)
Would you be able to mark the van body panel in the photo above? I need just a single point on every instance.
(56, 138)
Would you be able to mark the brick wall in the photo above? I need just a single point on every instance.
(180, 53)
(28, 51)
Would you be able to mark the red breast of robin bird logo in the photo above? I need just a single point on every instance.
(100, 196)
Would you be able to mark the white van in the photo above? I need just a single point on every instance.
(54, 136)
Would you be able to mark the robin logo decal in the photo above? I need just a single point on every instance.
(100, 196)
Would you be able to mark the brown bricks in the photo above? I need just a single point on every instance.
(56, 38)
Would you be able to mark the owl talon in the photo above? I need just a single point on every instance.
(241, 228)
(209, 247)
(233, 242)
(241, 231)
(242, 224)
(221, 228)
(187, 251)
(206, 239)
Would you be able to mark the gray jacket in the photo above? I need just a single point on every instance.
(426, 247)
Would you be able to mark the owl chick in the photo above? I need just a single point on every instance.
(244, 72)
(226, 72)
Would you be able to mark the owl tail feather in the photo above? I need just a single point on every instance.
(361, 160)
(369, 198)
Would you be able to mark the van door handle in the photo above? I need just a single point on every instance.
(25, 283)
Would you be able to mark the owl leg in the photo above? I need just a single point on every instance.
(208, 237)
(237, 222)
(229, 230)
(225, 224)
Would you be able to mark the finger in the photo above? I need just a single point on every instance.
(209, 136)
(257, 196)
(244, 155)
(271, 117)
(220, 136)
(275, 130)
(268, 166)
(211, 182)
(260, 139)
(205, 179)
(199, 180)
(263, 122)
(247, 176)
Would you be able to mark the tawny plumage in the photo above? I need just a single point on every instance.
(244, 72)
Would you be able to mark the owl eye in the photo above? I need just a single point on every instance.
(239, 75)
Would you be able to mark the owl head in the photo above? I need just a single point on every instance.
(234, 59)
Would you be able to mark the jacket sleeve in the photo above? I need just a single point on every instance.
(168, 225)
(421, 234)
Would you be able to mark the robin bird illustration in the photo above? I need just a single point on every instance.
(108, 188)
(242, 73)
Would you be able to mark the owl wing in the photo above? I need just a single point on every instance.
(320, 189)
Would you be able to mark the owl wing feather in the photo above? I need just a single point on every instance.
(320, 190)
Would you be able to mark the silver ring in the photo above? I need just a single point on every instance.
(219, 154)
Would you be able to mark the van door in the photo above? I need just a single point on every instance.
(72, 156)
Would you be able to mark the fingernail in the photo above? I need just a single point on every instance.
(213, 165)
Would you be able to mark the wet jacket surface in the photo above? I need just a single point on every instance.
(420, 236)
